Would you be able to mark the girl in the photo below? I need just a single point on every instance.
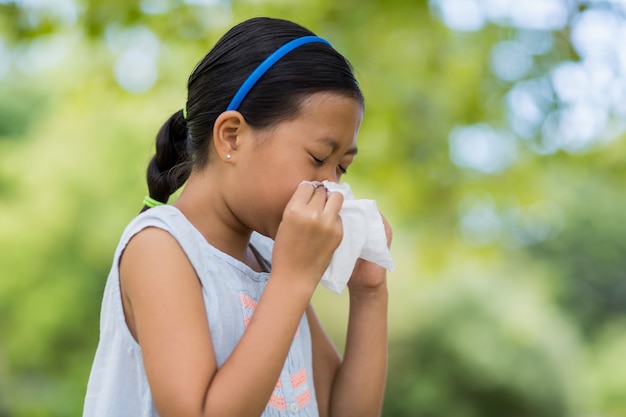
(207, 311)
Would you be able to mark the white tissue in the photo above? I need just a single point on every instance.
(363, 237)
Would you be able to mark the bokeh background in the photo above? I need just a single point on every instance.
(494, 141)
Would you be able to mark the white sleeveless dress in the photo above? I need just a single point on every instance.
(118, 385)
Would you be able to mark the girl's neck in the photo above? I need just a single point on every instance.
(205, 208)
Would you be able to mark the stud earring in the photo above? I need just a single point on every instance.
(228, 156)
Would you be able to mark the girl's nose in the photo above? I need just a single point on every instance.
(330, 173)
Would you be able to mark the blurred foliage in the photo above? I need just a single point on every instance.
(482, 355)
(591, 284)
(509, 296)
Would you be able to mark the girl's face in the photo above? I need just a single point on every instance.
(318, 145)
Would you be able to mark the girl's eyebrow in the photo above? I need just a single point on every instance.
(335, 145)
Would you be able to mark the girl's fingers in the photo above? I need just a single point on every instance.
(333, 203)
(304, 192)
(301, 197)
(318, 199)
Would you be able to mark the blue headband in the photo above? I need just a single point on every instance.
(267, 64)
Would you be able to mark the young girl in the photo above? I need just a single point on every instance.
(207, 310)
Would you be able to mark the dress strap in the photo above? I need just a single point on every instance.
(266, 266)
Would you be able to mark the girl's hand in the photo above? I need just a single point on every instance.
(368, 275)
(308, 234)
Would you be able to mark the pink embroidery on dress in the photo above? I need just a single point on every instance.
(249, 305)
(303, 399)
(277, 402)
(299, 381)
(247, 301)
(298, 378)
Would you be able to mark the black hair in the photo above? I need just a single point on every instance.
(182, 142)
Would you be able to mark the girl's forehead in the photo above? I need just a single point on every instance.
(328, 98)
(328, 121)
(330, 109)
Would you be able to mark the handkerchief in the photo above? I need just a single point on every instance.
(363, 237)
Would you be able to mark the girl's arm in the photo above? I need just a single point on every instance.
(360, 382)
(356, 385)
(165, 310)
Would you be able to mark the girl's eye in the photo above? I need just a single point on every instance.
(321, 162)
(318, 161)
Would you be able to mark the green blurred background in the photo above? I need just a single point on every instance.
(494, 141)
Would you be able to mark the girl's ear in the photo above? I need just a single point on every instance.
(227, 132)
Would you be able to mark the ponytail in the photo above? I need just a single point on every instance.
(170, 166)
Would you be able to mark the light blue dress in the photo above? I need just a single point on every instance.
(118, 385)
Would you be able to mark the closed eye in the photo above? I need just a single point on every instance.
(318, 161)
(321, 162)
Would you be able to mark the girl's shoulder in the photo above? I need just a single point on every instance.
(203, 256)
(165, 216)
(171, 220)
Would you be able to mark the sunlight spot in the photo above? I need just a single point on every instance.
(617, 97)
(460, 15)
(118, 39)
(575, 106)
(42, 53)
(594, 32)
(527, 103)
(570, 80)
(136, 71)
(536, 42)
(204, 2)
(580, 125)
(620, 50)
(524, 114)
(498, 11)
(532, 224)
(601, 78)
(510, 61)
(574, 128)
(155, 6)
(138, 48)
(539, 14)
(220, 15)
(64, 11)
(589, 84)
(479, 222)
(482, 148)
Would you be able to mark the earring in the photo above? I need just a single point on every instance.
(228, 156)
